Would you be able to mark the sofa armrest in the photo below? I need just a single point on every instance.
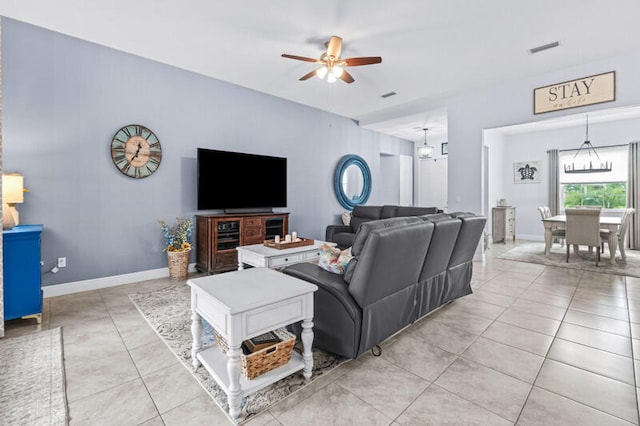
(337, 318)
(335, 229)
(327, 281)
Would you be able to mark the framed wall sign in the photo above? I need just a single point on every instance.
(584, 91)
(527, 172)
(444, 148)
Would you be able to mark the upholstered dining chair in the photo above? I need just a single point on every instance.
(583, 229)
(623, 230)
(556, 233)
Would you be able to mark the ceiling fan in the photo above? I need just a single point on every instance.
(332, 65)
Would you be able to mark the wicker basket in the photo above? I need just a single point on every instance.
(264, 360)
(178, 264)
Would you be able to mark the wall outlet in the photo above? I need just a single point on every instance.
(62, 262)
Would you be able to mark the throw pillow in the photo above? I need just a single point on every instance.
(333, 259)
(346, 218)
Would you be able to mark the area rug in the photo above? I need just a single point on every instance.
(32, 388)
(534, 253)
(168, 311)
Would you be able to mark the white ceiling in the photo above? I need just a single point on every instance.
(430, 48)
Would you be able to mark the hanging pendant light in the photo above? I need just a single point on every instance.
(590, 154)
(425, 151)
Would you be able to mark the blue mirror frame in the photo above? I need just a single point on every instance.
(343, 164)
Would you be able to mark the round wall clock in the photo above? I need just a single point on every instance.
(136, 151)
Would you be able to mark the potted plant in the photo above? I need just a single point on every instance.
(178, 246)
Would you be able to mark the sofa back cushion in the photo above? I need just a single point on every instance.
(366, 228)
(361, 214)
(388, 211)
(390, 261)
(415, 211)
(445, 235)
(468, 239)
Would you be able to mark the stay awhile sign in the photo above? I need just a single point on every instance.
(575, 93)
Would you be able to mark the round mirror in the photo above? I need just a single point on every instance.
(352, 181)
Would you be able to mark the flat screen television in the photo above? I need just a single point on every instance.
(236, 181)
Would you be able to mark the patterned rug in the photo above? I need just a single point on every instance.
(168, 311)
(534, 253)
(32, 389)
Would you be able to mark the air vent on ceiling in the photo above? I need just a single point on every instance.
(386, 95)
(544, 47)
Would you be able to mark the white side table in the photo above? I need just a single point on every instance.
(259, 255)
(241, 305)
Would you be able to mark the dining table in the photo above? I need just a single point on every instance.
(610, 223)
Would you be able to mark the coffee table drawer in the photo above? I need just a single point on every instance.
(312, 256)
(286, 260)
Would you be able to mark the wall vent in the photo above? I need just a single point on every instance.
(544, 47)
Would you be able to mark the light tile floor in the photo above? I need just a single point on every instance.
(533, 345)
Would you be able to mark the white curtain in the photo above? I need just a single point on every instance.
(633, 194)
(553, 182)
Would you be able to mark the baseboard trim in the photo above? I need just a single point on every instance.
(104, 282)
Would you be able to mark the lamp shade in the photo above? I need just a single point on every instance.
(12, 189)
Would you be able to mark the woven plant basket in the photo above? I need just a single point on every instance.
(178, 264)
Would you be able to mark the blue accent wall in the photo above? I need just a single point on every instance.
(64, 99)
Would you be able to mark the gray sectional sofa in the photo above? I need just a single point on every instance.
(403, 268)
(343, 235)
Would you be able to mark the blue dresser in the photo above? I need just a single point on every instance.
(21, 268)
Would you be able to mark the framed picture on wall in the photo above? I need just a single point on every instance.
(527, 172)
(444, 148)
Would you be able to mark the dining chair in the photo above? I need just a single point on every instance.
(623, 230)
(583, 228)
(556, 233)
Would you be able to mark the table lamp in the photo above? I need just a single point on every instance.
(12, 193)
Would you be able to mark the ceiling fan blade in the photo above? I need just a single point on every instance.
(334, 46)
(346, 77)
(299, 58)
(308, 75)
(354, 62)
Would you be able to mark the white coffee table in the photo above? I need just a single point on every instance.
(261, 256)
(241, 305)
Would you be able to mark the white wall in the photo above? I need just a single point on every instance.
(504, 150)
(389, 179)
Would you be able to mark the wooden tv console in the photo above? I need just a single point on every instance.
(218, 235)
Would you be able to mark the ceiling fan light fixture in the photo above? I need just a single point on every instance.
(321, 72)
(332, 65)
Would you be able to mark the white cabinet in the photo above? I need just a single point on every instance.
(504, 223)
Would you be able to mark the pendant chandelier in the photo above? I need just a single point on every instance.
(591, 155)
(425, 151)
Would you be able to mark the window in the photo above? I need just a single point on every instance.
(605, 195)
(605, 189)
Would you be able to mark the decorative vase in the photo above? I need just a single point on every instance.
(178, 264)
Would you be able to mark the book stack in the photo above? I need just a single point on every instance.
(259, 342)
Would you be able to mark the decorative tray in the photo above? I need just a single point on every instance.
(300, 242)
